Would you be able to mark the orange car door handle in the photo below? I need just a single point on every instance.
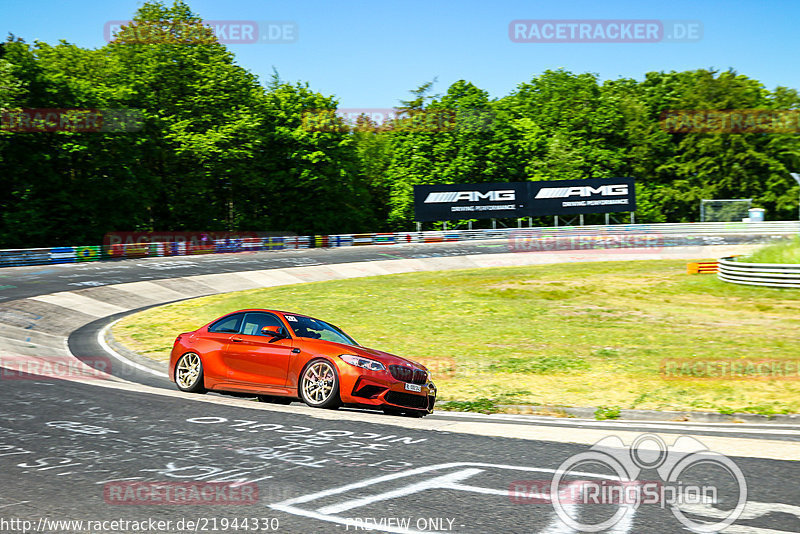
(236, 339)
(295, 351)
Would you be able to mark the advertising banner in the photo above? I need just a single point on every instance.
(448, 202)
(469, 201)
(573, 197)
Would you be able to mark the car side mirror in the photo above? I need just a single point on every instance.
(274, 332)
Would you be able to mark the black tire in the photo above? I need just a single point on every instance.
(272, 399)
(319, 385)
(189, 373)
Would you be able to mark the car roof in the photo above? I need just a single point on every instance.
(268, 311)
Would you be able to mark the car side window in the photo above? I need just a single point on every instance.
(255, 321)
(227, 325)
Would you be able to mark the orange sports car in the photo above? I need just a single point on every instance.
(280, 357)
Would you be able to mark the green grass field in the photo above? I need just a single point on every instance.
(785, 251)
(580, 334)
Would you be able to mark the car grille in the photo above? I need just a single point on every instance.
(419, 402)
(407, 374)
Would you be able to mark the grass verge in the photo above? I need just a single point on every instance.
(785, 251)
(580, 334)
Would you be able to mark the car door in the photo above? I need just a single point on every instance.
(212, 344)
(254, 359)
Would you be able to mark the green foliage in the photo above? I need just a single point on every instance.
(217, 150)
(482, 405)
(603, 412)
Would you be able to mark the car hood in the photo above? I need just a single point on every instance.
(384, 357)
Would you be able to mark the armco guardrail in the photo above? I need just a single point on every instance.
(759, 274)
(520, 240)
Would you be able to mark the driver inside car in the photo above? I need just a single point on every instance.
(302, 331)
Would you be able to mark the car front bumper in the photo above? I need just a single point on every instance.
(380, 389)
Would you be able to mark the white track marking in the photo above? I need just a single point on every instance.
(13, 504)
(440, 482)
(445, 482)
(752, 510)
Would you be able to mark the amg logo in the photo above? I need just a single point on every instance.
(471, 196)
(582, 191)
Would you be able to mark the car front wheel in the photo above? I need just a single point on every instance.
(319, 385)
(189, 373)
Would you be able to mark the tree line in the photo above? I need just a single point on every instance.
(214, 149)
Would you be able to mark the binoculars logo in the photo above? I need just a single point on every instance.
(691, 480)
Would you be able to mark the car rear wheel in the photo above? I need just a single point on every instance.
(319, 385)
(189, 373)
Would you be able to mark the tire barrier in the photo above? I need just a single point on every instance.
(519, 240)
(759, 274)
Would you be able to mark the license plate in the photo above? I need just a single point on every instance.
(414, 387)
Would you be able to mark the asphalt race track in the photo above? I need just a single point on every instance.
(75, 450)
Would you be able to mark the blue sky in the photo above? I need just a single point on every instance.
(370, 53)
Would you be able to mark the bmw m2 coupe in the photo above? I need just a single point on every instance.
(280, 356)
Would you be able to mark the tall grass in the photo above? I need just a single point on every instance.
(787, 251)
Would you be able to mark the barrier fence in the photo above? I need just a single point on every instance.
(519, 240)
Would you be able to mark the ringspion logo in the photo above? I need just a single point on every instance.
(690, 475)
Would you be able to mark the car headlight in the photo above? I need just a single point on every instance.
(365, 363)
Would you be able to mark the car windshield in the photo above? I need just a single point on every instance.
(316, 329)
